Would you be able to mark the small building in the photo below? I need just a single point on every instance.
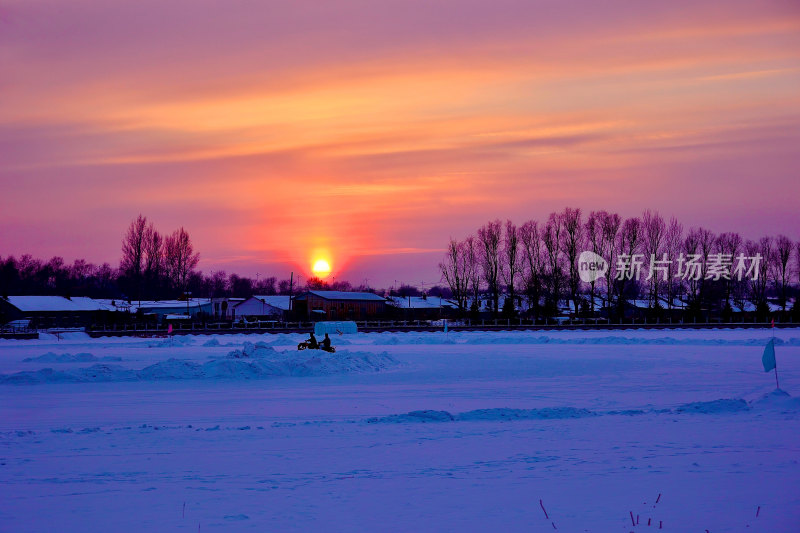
(54, 311)
(271, 307)
(339, 305)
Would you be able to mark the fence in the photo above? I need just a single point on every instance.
(201, 328)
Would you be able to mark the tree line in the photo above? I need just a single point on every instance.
(535, 266)
(154, 263)
(153, 266)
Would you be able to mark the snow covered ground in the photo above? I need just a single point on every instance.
(402, 432)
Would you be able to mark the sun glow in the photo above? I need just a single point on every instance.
(321, 268)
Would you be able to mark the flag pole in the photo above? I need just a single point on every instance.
(777, 385)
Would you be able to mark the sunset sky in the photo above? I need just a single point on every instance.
(370, 132)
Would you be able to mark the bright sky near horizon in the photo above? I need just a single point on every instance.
(368, 133)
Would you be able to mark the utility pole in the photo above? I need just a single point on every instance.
(291, 290)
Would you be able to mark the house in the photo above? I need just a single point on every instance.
(223, 308)
(54, 311)
(339, 305)
(484, 306)
(275, 307)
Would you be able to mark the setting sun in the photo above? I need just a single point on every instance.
(321, 268)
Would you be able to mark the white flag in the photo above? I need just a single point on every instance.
(768, 359)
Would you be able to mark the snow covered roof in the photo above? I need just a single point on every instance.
(417, 302)
(343, 295)
(167, 304)
(278, 301)
(750, 307)
(135, 305)
(56, 303)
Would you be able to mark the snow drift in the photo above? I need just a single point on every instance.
(777, 400)
(83, 357)
(253, 361)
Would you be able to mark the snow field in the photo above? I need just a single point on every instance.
(402, 432)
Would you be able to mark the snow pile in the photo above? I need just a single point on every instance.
(253, 361)
(283, 339)
(93, 374)
(256, 361)
(211, 342)
(547, 413)
(64, 335)
(777, 400)
(485, 415)
(714, 407)
(414, 416)
(249, 350)
(175, 340)
(83, 357)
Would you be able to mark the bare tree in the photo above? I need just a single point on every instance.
(729, 245)
(133, 248)
(219, 283)
(697, 247)
(455, 272)
(180, 258)
(781, 267)
(511, 262)
(571, 245)
(763, 253)
(242, 286)
(707, 240)
(471, 258)
(81, 270)
(594, 239)
(551, 239)
(796, 308)
(672, 246)
(133, 251)
(610, 223)
(105, 276)
(266, 286)
(489, 237)
(655, 230)
(154, 255)
(690, 275)
(629, 243)
(285, 286)
(532, 263)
